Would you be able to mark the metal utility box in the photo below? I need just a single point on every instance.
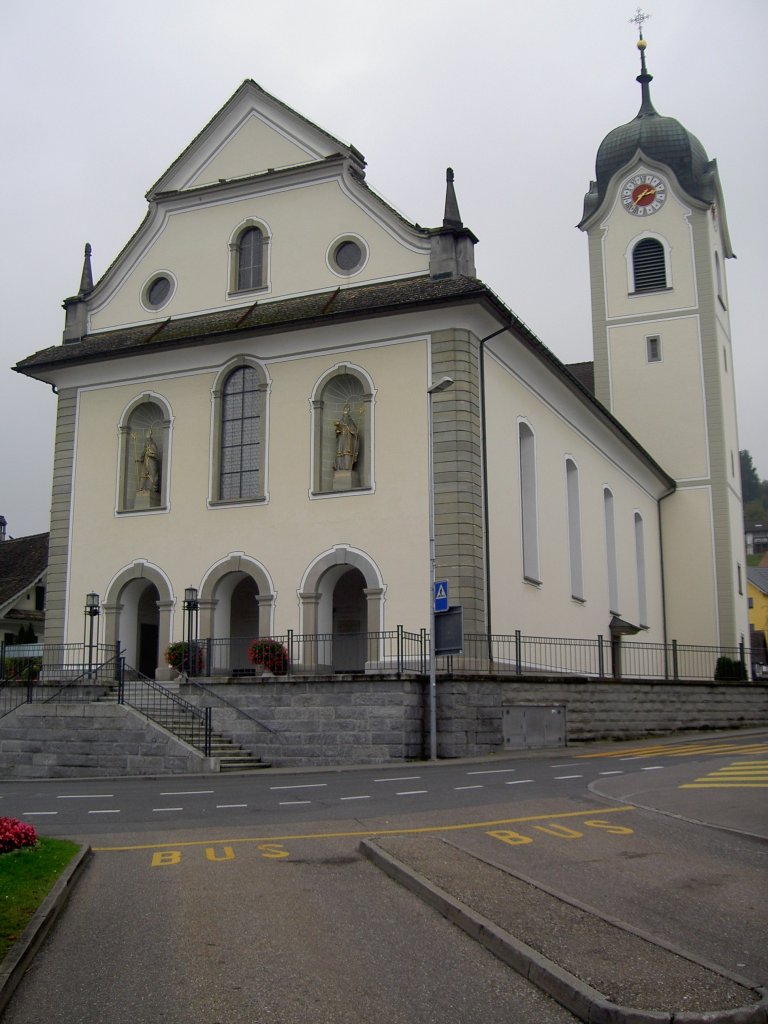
(527, 726)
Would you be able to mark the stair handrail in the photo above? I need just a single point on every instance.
(200, 715)
(212, 693)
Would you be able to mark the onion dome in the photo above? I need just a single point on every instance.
(662, 139)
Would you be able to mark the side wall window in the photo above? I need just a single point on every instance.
(249, 258)
(144, 453)
(239, 434)
(642, 600)
(610, 552)
(649, 266)
(528, 504)
(574, 529)
(342, 411)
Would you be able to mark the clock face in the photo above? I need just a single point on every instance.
(643, 194)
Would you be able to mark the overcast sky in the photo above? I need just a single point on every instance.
(99, 98)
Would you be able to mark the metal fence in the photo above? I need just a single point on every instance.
(395, 652)
(167, 709)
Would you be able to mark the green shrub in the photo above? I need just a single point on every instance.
(729, 669)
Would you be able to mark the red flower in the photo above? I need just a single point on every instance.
(14, 834)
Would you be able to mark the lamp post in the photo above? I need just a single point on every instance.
(442, 385)
(191, 605)
(91, 612)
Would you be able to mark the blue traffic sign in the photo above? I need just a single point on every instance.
(441, 595)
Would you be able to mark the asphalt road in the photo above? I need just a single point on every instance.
(244, 897)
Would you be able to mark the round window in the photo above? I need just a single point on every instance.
(158, 291)
(349, 256)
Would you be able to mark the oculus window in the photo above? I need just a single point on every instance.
(347, 256)
(158, 291)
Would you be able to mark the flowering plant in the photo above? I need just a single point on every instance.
(269, 653)
(15, 834)
(177, 656)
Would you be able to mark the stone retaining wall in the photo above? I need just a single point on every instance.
(366, 720)
(59, 741)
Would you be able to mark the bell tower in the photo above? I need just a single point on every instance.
(658, 242)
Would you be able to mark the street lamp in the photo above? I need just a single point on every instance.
(191, 605)
(442, 385)
(91, 612)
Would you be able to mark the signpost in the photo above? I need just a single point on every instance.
(441, 595)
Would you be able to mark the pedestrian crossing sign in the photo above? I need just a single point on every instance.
(441, 595)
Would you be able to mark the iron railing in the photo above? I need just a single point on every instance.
(165, 708)
(71, 663)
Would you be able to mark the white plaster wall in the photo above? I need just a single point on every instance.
(290, 530)
(689, 566)
(254, 147)
(192, 243)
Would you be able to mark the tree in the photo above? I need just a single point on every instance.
(750, 481)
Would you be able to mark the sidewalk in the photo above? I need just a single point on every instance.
(600, 970)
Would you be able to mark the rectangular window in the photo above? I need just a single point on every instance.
(653, 348)
(610, 553)
(738, 573)
(528, 503)
(574, 529)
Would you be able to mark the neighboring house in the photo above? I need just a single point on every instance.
(756, 536)
(757, 599)
(23, 568)
(243, 409)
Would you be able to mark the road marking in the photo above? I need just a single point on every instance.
(468, 787)
(188, 792)
(36, 814)
(687, 749)
(309, 785)
(651, 767)
(365, 833)
(517, 782)
(355, 798)
(739, 775)
(568, 777)
(619, 772)
(156, 809)
(572, 764)
(411, 792)
(402, 778)
(104, 812)
(293, 803)
(220, 806)
(87, 796)
(493, 771)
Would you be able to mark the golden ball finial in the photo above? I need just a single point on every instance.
(641, 44)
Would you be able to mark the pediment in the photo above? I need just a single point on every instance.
(253, 132)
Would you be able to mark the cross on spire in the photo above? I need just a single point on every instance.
(639, 19)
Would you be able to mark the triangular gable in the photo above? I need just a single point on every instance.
(252, 133)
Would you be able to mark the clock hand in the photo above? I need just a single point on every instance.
(648, 192)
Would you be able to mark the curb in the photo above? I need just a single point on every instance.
(575, 995)
(21, 954)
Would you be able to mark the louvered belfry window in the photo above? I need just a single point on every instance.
(649, 266)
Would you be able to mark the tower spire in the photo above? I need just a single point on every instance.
(86, 278)
(451, 217)
(644, 78)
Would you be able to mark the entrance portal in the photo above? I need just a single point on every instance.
(350, 623)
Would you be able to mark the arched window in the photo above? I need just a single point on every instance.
(249, 258)
(574, 529)
(239, 434)
(528, 509)
(343, 432)
(642, 601)
(610, 552)
(649, 266)
(144, 455)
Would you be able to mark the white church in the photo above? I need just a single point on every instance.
(252, 395)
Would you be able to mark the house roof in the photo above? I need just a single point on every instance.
(758, 577)
(22, 563)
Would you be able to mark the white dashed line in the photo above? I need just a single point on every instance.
(355, 798)
(222, 806)
(494, 771)
(156, 809)
(293, 803)
(402, 778)
(36, 814)
(468, 787)
(516, 782)
(310, 785)
(572, 764)
(104, 812)
(86, 796)
(411, 792)
(189, 792)
(652, 768)
(612, 773)
(568, 777)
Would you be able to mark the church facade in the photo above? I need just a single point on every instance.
(243, 408)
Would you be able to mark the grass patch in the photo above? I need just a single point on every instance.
(26, 877)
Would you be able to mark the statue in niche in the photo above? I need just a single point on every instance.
(347, 442)
(148, 467)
